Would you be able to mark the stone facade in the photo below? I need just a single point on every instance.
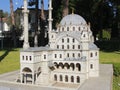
(71, 56)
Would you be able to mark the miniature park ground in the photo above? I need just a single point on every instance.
(9, 61)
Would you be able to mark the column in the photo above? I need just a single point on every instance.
(25, 11)
(50, 18)
(33, 78)
(21, 77)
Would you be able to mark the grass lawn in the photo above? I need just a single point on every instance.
(9, 61)
(110, 57)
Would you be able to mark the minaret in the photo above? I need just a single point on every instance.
(50, 17)
(25, 11)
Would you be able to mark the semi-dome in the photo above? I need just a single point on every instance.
(73, 19)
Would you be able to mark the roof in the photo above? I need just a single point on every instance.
(92, 46)
(73, 19)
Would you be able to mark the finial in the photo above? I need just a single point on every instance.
(72, 10)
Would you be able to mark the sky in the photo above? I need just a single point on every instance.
(5, 4)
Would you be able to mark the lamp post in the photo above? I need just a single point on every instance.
(25, 11)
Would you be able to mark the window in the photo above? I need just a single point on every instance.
(73, 46)
(44, 56)
(30, 58)
(67, 28)
(73, 55)
(68, 47)
(57, 46)
(78, 54)
(96, 54)
(67, 54)
(67, 40)
(55, 55)
(66, 78)
(78, 46)
(72, 79)
(62, 46)
(78, 79)
(62, 40)
(91, 54)
(55, 77)
(78, 66)
(91, 66)
(26, 57)
(61, 78)
(22, 57)
(62, 29)
(73, 40)
(60, 55)
(79, 28)
(73, 28)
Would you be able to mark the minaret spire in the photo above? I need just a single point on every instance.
(50, 16)
(25, 11)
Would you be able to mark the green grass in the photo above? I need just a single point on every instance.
(109, 57)
(9, 60)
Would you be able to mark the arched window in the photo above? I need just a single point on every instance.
(26, 57)
(61, 78)
(96, 54)
(57, 46)
(78, 79)
(73, 40)
(68, 47)
(91, 54)
(78, 66)
(72, 79)
(72, 66)
(67, 28)
(30, 58)
(44, 56)
(73, 46)
(62, 40)
(73, 55)
(60, 55)
(66, 78)
(62, 29)
(79, 28)
(67, 40)
(78, 46)
(22, 57)
(67, 54)
(55, 77)
(62, 46)
(73, 28)
(91, 66)
(55, 55)
(78, 54)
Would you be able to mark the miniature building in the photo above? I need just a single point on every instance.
(71, 56)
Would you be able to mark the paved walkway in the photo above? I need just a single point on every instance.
(103, 82)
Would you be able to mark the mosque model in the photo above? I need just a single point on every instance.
(71, 56)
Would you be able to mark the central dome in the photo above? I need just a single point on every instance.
(73, 19)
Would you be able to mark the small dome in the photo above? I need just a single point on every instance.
(73, 19)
